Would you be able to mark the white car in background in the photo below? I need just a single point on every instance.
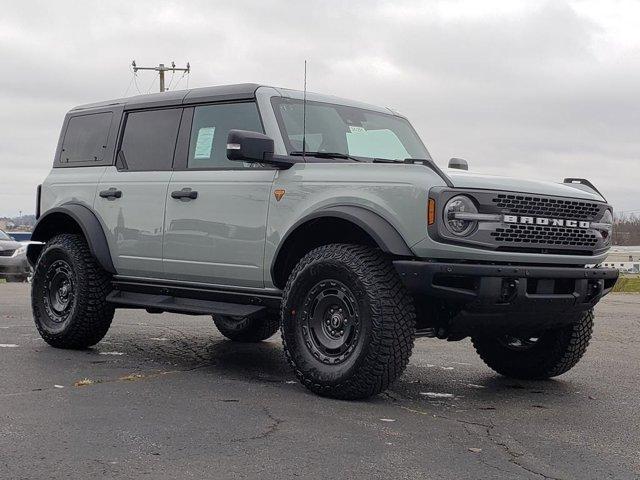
(14, 266)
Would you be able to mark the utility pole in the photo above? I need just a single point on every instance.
(161, 69)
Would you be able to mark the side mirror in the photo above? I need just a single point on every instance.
(245, 146)
(13, 238)
(459, 164)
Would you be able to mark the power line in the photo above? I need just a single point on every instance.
(153, 82)
(135, 82)
(128, 87)
(161, 69)
(185, 74)
(171, 81)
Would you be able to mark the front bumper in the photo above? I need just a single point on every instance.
(508, 297)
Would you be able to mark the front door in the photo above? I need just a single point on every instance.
(131, 195)
(216, 213)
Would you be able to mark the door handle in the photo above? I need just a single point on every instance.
(111, 194)
(185, 194)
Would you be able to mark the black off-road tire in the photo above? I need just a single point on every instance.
(554, 353)
(248, 329)
(87, 317)
(383, 326)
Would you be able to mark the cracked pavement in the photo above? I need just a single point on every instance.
(169, 397)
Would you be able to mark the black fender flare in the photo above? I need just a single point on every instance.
(378, 228)
(49, 225)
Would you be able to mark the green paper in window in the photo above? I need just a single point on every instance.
(204, 143)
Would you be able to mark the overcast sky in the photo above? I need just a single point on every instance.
(541, 90)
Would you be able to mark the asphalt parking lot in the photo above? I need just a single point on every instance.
(166, 396)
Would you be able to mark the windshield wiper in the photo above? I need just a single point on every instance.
(386, 160)
(325, 155)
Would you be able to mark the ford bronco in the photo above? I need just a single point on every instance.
(270, 209)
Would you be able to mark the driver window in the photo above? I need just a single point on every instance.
(209, 130)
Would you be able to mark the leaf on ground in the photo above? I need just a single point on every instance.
(84, 382)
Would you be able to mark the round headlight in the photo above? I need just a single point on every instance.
(458, 226)
(607, 219)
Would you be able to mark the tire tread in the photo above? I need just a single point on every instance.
(92, 315)
(393, 321)
(556, 357)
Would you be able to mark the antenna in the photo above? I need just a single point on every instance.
(304, 112)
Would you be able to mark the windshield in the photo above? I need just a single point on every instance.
(4, 236)
(347, 130)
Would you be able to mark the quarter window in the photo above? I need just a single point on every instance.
(86, 138)
(211, 125)
(149, 140)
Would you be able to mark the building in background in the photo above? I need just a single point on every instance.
(626, 259)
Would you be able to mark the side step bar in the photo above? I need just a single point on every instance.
(167, 303)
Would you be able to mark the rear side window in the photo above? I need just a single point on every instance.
(85, 140)
(149, 140)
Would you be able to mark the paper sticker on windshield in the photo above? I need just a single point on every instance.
(355, 129)
(204, 143)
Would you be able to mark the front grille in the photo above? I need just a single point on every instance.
(6, 253)
(546, 235)
(543, 231)
(547, 207)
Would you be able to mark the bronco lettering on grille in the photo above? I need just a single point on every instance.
(554, 222)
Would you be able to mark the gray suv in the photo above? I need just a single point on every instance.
(14, 266)
(271, 209)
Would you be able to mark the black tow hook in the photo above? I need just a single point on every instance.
(509, 289)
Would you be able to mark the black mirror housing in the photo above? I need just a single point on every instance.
(246, 146)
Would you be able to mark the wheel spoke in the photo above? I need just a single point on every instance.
(59, 291)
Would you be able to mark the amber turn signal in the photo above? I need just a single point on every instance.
(279, 193)
(431, 212)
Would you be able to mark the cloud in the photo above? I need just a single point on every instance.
(540, 90)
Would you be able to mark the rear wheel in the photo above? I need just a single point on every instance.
(247, 329)
(347, 321)
(68, 294)
(534, 357)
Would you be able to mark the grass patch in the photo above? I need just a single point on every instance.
(628, 284)
(2, 280)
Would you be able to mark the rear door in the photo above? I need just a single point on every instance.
(131, 194)
(215, 234)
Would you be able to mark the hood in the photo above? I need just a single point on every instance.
(9, 245)
(465, 179)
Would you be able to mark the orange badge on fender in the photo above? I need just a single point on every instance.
(279, 193)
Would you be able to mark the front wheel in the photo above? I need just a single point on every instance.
(347, 321)
(535, 357)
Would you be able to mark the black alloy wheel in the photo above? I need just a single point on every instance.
(330, 321)
(59, 292)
